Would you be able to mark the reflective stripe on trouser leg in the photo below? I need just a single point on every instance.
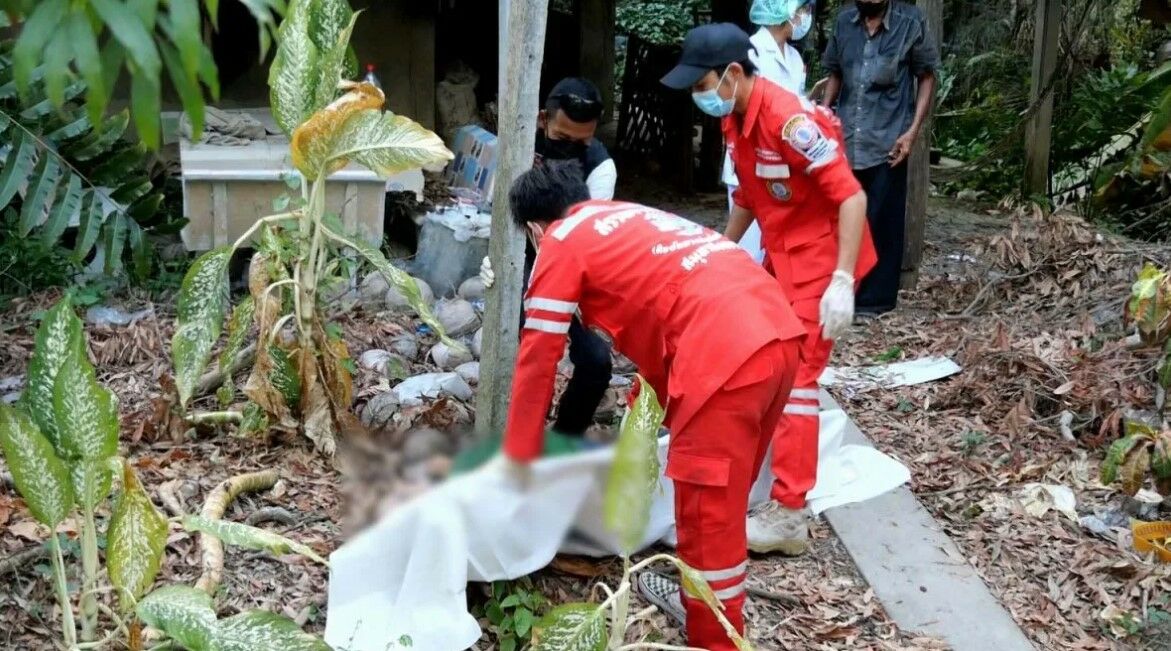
(795, 442)
(713, 476)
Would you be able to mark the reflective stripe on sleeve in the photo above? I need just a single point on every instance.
(550, 305)
(545, 325)
(804, 394)
(800, 410)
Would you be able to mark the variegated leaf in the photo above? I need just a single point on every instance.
(200, 312)
(92, 479)
(385, 143)
(572, 627)
(40, 476)
(333, 26)
(284, 376)
(397, 277)
(295, 71)
(326, 20)
(695, 586)
(238, 327)
(256, 630)
(248, 537)
(86, 412)
(58, 338)
(183, 613)
(313, 140)
(136, 539)
(634, 475)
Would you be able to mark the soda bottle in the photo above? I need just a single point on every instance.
(372, 78)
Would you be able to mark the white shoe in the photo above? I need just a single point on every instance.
(775, 528)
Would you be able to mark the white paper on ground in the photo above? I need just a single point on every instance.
(900, 374)
(407, 575)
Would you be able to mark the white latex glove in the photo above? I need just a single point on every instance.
(487, 276)
(837, 306)
(516, 475)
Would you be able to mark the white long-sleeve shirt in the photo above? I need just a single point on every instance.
(781, 65)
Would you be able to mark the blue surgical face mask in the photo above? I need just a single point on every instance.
(801, 25)
(710, 102)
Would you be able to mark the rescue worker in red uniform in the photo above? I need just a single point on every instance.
(796, 183)
(663, 290)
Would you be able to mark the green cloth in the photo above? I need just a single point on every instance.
(556, 444)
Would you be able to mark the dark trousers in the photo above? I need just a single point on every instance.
(592, 369)
(886, 210)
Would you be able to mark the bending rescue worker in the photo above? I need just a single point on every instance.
(663, 289)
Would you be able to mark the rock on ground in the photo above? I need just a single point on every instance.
(413, 390)
(380, 411)
(472, 289)
(372, 291)
(448, 358)
(407, 346)
(457, 317)
(470, 372)
(397, 301)
(384, 363)
(478, 343)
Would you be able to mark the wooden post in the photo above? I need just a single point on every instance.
(1039, 131)
(919, 169)
(522, 48)
(596, 24)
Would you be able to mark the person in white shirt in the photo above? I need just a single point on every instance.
(780, 22)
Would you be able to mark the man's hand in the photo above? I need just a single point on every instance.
(487, 276)
(516, 474)
(902, 148)
(837, 306)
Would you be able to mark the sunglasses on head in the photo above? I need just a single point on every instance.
(577, 105)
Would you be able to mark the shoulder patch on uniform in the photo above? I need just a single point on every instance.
(803, 134)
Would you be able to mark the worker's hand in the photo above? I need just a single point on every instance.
(487, 276)
(837, 306)
(516, 474)
(902, 148)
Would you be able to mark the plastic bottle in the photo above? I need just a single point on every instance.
(372, 78)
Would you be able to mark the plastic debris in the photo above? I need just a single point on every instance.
(413, 390)
(103, 315)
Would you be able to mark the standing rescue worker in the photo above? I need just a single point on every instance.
(780, 22)
(663, 289)
(566, 127)
(796, 183)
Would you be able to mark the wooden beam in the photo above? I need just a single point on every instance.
(522, 48)
(919, 169)
(596, 24)
(1039, 130)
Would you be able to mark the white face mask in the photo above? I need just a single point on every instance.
(802, 22)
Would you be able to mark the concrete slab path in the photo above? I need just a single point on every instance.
(918, 573)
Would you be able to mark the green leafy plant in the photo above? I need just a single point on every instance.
(626, 512)
(69, 179)
(1143, 451)
(97, 39)
(303, 382)
(511, 610)
(61, 444)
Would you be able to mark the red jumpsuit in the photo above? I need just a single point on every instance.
(794, 176)
(710, 333)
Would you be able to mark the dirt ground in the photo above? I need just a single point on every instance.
(1016, 312)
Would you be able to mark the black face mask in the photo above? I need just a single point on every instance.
(870, 9)
(559, 149)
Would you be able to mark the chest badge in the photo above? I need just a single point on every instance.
(779, 190)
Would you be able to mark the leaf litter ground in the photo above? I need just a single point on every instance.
(1031, 309)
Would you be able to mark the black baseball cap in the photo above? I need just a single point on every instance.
(707, 48)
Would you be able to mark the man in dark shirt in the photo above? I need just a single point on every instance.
(565, 131)
(882, 61)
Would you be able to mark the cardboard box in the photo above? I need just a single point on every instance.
(226, 189)
(474, 167)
